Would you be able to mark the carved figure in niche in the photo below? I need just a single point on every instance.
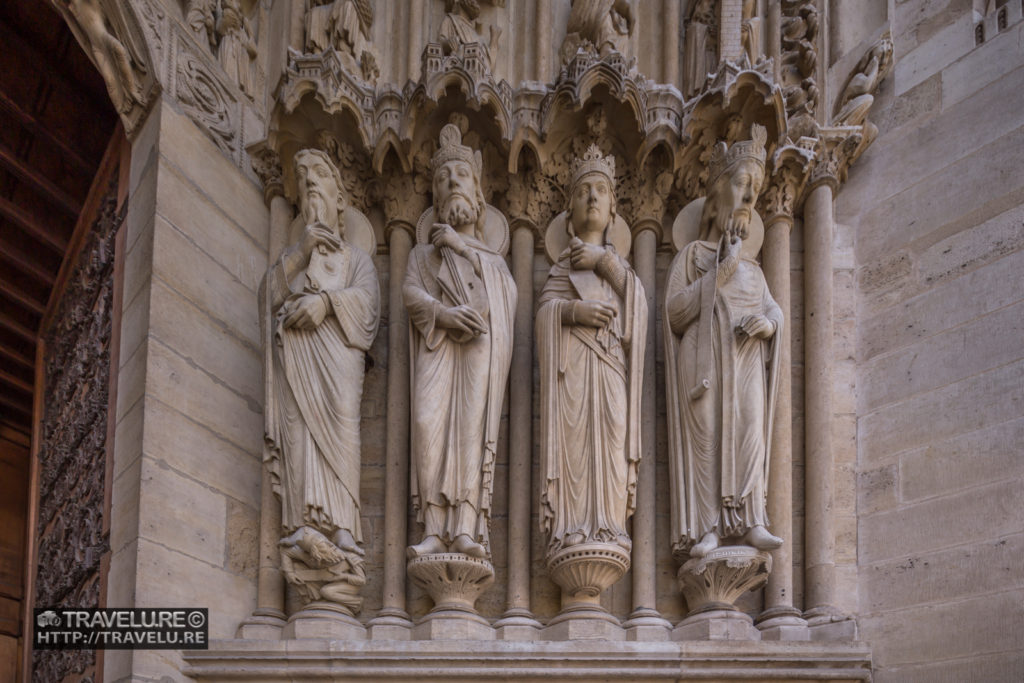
(461, 300)
(237, 49)
(321, 305)
(701, 56)
(750, 31)
(599, 27)
(858, 95)
(100, 27)
(345, 26)
(591, 327)
(460, 27)
(722, 328)
(201, 18)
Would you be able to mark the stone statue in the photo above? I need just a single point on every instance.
(598, 26)
(461, 300)
(343, 25)
(236, 46)
(591, 327)
(722, 364)
(321, 305)
(859, 93)
(750, 31)
(101, 29)
(201, 18)
(701, 45)
(458, 28)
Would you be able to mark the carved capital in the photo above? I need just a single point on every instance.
(648, 223)
(784, 183)
(836, 150)
(267, 165)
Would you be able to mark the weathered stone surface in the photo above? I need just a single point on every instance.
(959, 518)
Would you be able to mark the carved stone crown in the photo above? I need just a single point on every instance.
(593, 162)
(452, 149)
(722, 158)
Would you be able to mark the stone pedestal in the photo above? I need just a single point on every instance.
(517, 624)
(717, 624)
(323, 620)
(583, 572)
(712, 584)
(828, 623)
(453, 581)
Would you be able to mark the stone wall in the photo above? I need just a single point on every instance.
(189, 410)
(937, 206)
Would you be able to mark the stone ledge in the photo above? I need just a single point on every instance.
(233, 660)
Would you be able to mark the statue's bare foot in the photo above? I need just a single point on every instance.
(343, 539)
(572, 539)
(428, 546)
(760, 538)
(709, 542)
(467, 546)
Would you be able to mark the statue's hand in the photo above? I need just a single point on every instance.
(307, 312)
(316, 234)
(756, 326)
(444, 235)
(463, 319)
(592, 313)
(584, 256)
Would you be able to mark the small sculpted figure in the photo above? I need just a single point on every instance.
(859, 93)
(343, 25)
(460, 26)
(321, 306)
(722, 328)
(461, 300)
(600, 26)
(700, 47)
(236, 48)
(591, 327)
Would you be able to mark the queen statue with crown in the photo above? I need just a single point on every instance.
(591, 326)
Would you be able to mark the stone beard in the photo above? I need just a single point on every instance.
(461, 301)
(722, 361)
(321, 310)
(591, 327)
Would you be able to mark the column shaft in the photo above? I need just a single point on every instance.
(645, 248)
(542, 59)
(670, 47)
(774, 36)
(819, 564)
(778, 595)
(520, 427)
(396, 494)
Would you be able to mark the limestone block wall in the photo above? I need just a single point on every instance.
(189, 416)
(937, 207)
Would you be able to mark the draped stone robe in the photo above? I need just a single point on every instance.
(314, 389)
(590, 386)
(719, 442)
(458, 385)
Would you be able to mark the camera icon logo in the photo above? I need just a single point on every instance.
(48, 618)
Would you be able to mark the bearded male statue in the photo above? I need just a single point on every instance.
(461, 300)
(722, 328)
(320, 306)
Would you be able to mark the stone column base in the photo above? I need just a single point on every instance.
(782, 623)
(517, 624)
(262, 625)
(724, 624)
(323, 620)
(646, 625)
(452, 625)
(828, 623)
(584, 622)
(389, 624)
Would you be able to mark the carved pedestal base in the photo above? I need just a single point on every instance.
(647, 625)
(583, 572)
(517, 624)
(389, 624)
(323, 620)
(453, 581)
(715, 581)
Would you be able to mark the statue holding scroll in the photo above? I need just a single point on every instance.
(321, 305)
(722, 328)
